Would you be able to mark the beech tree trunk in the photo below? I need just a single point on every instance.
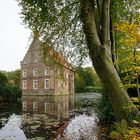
(100, 54)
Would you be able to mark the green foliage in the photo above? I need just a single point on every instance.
(9, 91)
(3, 83)
(127, 40)
(15, 77)
(119, 130)
(123, 132)
(58, 22)
(129, 60)
(14, 93)
(115, 135)
(93, 89)
(131, 112)
(105, 110)
(86, 80)
(135, 100)
(80, 85)
(122, 10)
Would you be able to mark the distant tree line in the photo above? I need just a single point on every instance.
(86, 80)
(10, 86)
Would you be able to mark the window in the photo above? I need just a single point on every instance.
(36, 56)
(46, 71)
(58, 72)
(61, 72)
(24, 74)
(59, 83)
(35, 84)
(24, 84)
(35, 106)
(35, 72)
(46, 83)
(24, 105)
(67, 75)
(46, 107)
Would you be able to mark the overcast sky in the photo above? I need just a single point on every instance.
(13, 36)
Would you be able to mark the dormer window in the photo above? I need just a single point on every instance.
(47, 71)
(24, 74)
(35, 72)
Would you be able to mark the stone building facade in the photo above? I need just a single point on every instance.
(38, 78)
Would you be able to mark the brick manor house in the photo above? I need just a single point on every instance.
(38, 78)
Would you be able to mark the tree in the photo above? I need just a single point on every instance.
(89, 76)
(100, 53)
(130, 59)
(14, 76)
(3, 83)
(84, 77)
(79, 82)
(86, 80)
(86, 25)
(8, 91)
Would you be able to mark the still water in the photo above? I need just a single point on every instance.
(42, 117)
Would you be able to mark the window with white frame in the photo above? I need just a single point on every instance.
(58, 72)
(59, 83)
(35, 84)
(35, 106)
(35, 72)
(46, 107)
(46, 83)
(24, 105)
(24, 84)
(46, 71)
(24, 73)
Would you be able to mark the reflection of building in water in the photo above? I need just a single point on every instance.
(43, 115)
(58, 106)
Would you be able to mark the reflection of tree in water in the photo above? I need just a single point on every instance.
(86, 103)
(6, 110)
(43, 115)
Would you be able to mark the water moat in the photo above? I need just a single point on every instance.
(44, 117)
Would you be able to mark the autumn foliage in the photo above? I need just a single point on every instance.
(130, 33)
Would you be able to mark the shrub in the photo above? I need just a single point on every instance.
(93, 89)
(105, 110)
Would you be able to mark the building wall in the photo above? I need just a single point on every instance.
(40, 78)
(61, 78)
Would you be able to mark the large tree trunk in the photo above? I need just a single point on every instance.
(100, 53)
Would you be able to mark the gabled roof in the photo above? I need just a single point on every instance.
(47, 51)
(34, 45)
(57, 57)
